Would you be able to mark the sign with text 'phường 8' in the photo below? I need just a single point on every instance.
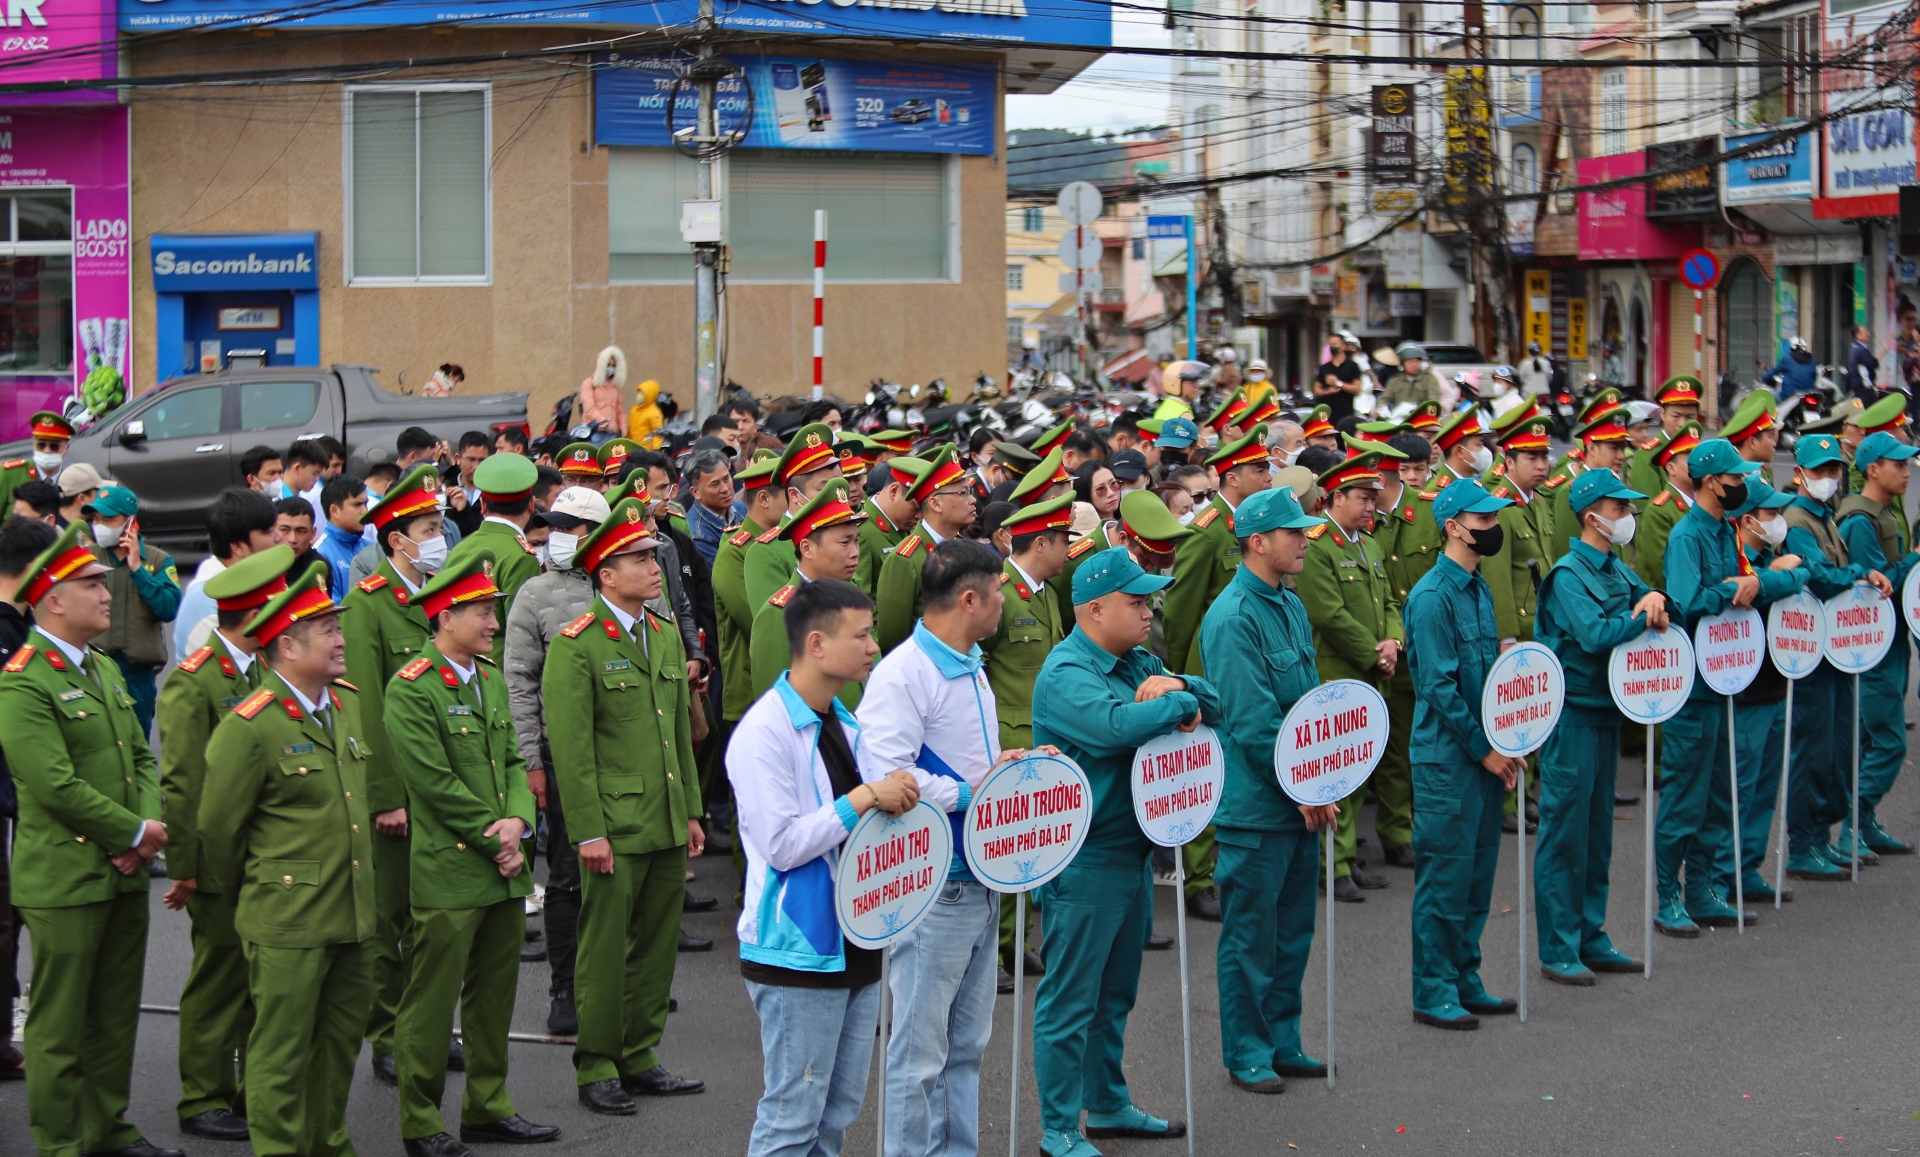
(1330, 742)
(1027, 822)
(1860, 629)
(891, 869)
(1176, 784)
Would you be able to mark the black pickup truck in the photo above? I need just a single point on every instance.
(179, 445)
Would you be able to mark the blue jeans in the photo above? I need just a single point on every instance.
(816, 1046)
(943, 976)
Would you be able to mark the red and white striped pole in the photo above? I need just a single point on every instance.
(819, 302)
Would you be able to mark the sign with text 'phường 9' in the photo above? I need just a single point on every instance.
(1027, 822)
(1176, 784)
(891, 869)
(1330, 742)
(805, 102)
(1796, 634)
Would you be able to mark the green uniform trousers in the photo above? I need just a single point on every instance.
(1883, 726)
(623, 970)
(1819, 784)
(1758, 731)
(468, 957)
(1098, 919)
(310, 1009)
(88, 962)
(1196, 856)
(1346, 835)
(1575, 850)
(393, 941)
(1693, 757)
(1267, 911)
(216, 1013)
(1392, 780)
(1456, 846)
(1007, 906)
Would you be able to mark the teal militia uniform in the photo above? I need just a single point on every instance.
(1100, 909)
(1759, 732)
(1876, 539)
(1259, 643)
(1818, 790)
(1586, 610)
(85, 781)
(1411, 542)
(619, 725)
(216, 1014)
(285, 821)
(453, 741)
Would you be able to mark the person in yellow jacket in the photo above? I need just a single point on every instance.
(645, 418)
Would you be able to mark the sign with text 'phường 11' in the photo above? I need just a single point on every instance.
(891, 869)
(1523, 698)
(805, 102)
(1330, 742)
(1860, 629)
(1027, 822)
(1729, 648)
(1651, 676)
(1176, 784)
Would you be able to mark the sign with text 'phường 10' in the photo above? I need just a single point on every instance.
(1522, 700)
(891, 869)
(1860, 629)
(1330, 742)
(1027, 822)
(1729, 648)
(1651, 676)
(1176, 784)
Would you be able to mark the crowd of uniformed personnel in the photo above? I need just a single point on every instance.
(348, 793)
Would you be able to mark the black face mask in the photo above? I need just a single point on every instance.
(1488, 541)
(1733, 495)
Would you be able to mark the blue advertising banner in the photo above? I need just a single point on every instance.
(806, 103)
(199, 262)
(1783, 171)
(1087, 23)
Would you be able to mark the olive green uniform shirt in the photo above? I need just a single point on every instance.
(896, 599)
(1528, 526)
(1203, 565)
(384, 633)
(1654, 525)
(735, 616)
(878, 535)
(1344, 587)
(1031, 625)
(203, 690)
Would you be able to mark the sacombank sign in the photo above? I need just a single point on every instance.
(203, 262)
(166, 264)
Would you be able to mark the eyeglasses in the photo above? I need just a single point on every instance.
(962, 492)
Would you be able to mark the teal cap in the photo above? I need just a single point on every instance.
(1466, 496)
(1814, 450)
(1717, 456)
(1114, 570)
(1178, 434)
(1272, 509)
(1594, 485)
(114, 501)
(1872, 448)
(1762, 496)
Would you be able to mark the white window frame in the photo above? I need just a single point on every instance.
(1615, 133)
(485, 90)
(1016, 277)
(10, 248)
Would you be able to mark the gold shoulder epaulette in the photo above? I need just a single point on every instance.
(192, 662)
(1316, 531)
(572, 630)
(743, 538)
(1006, 578)
(780, 597)
(907, 546)
(1081, 547)
(1557, 480)
(372, 583)
(20, 657)
(415, 669)
(13, 464)
(769, 536)
(251, 706)
(1500, 492)
(1206, 517)
(1660, 499)
(1441, 484)
(347, 685)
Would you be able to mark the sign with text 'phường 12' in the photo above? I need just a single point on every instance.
(1330, 742)
(1027, 822)
(1523, 698)
(891, 869)
(1176, 784)
(1651, 676)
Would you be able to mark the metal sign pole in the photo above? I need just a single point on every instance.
(1855, 850)
(1186, 1017)
(1520, 806)
(1786, 772)
(1019, 998)
(1330, 882)
(886, 1031)
(1193, 297)
(1647, 804)
(1733, 808)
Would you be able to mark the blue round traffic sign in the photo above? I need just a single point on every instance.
(1699, 269)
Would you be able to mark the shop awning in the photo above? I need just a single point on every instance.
(1131, 367)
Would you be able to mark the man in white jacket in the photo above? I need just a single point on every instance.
(803, 777)
(928, 707)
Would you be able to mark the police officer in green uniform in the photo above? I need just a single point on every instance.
(579, 464)
(452, 735)
(1877, 538)
(807, 464)
(1514, 574)
(51, 435)
(1672, 498)
(1461, 446)
(89, 809)
(1457, 776)
(1356, 620)
(890, 518)
(1259, 642)
(731, 609)
(215, 1013)
(826, 536)
(1590, 603)
(1396, 518)
(1047, 480)
(616, 691)
(506, 484)
(1889, 414)
(1106, 695)
(1679, 402)
(385, 633)
(1603, 446)
(285, 821)
(946, 510)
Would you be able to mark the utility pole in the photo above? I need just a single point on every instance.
(706, 254)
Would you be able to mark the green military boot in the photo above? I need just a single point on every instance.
(1812, 866)
(1560, 972)
(1843, 847)
(1712, 909)
(1881, 840)
(1759, 890)
(1672, 919)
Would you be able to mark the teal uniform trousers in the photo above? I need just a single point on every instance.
(1267, 906)
(1883, 728)
(1098, 919)
(1693, 757)
(1575, 850)
(1456, 847)
(1821, 777)
(1759, 736)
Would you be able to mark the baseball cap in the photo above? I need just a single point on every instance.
(1594, 485)
(1717, 456)
(78, 479)
(113, 501)
(1466, 496)
(1761, 496)
(581, 502)
(1872, 448)
(1179, 433)
(1272, 509)
(1817, 450)
(1127, 465)
(1639, 412)
(1114, 570)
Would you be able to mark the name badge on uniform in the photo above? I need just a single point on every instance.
(353, 745)
(70, 696)
(296, 749)
(1026, 622)
(1349, 562)
(459, 709)
(230, 704)
(617, 664)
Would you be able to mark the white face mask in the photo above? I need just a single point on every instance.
(1773, 532)
(47, 461)
(1618, 532)
(1821, 489)
(106, 537)
(1292, 456)
(1188, 516)
(1481, 460)
(560, 548)
(432, 556)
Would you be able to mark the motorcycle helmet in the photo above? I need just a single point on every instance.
(1800, 345)
(1505, 372)
(1407, 349)
(1533, 347)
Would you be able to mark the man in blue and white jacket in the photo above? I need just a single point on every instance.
(803, 776)
(928, 707)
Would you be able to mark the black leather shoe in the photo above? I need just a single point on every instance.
(607, 1097)
(1400, 857)
(1510, 824)
(531, 953)
(1005, 984)
(1033, 964)
(216, 1125)
(673, 1004)
(658, 1082)
(690, 943)
(562, 1020)
(1347, 892)
(514, 1130)
(1625, 798)
(140, 1148)
(532, 935)
(693, 903)
(385, 1069)
(1371, 883)
(1158, 943)
(1497, 1006)
(1205, 904)
(456, 1056)
(438, 1145)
